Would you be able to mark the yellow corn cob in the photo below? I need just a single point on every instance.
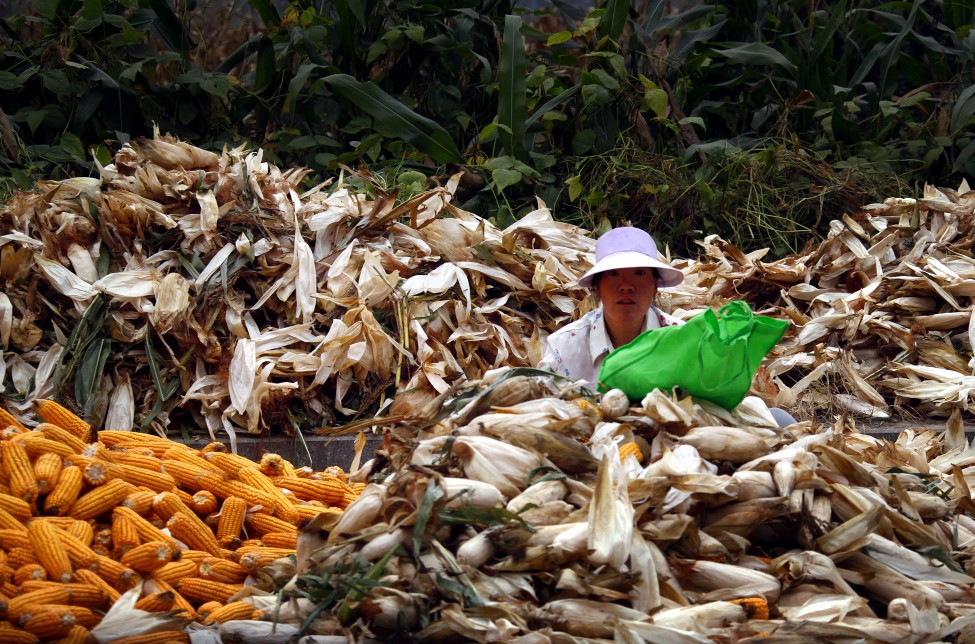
(305, 472)
(264, 523)
(229, 463)
(48, 621)
(82, 530)
(9, 432)
(30, 572)
(174, 571)
(10, 522)
(193, 532)
(231, 611)
(61, 435)
(187, 475)
(20, 604)
(140, 502)
(65, 491)
(231, 519)
(10, 634)
(166, 504)
(47, 468)
(157, 602)
(125, 534)
(57, 414)
(17, 557)
(755, 607)
(336, 472)
(100, 500)
(147, 531)
(327, 490)
(100, 451)
(50, 550)
(157, 481)
(9, 420)
(275, 465)
(77, 634)
(204, 502)
(14, 538)
(117, 438)
(280, 539)
(37, 443)
(181, 602)
(358, 487)
(223, 570)
(184, 454)
(89, 577)
(204, 609)
(201, 590)
(214, 446)
(79, 553)
(248, 544)
(20, 472)
(257, 479)
(258, 557)
(114, 573)
(223, 486)
(149, 556)
(143, 461)
(96, 471)
(158, 637)
(76, 594)
(631, 448)
(308, 511)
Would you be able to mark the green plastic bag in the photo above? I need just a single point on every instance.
(713, 356)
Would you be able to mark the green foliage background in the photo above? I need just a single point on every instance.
(759, 120)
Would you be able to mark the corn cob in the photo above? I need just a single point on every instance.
(9, 432)
(309, 511)
(156, 481)
(140, 502)
(223, 486)
(257, 479)
(20, 472)
(193, 532)
(9, 634)
(275, 465)
(185, 474)
(47, 468)
(50, 550)
(214, 446)
(336, 472)
(256, 557)
(327, 490)
(158, 637)
(264, 523)
(30, 572)
(9, 522)
(231, 611)
(280, 539)
(36, 443)
(9, 420)
(630, 449)
(14, 538)
(50, 594)
(79, 553)
(82, 530)
(49, 621)
(100, 500)
(76, 594)
(100, 451)
(184, 496)
(115, 573)
(174, 571)
(65, 492)
(17, 557)
(205, 609)
(149, 556)
(204, 502)
(89, 577)
(157, 602)
(117, 438)
(223, 570)
(180, 602)
(755, 607)
(229, 463)
(143, 461)
(184, 454)
(57, 414)
(125, 534)
(231, 519)
(61, 435)
(201, 590)
(77, 634)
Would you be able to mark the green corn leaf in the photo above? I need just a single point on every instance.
(612, 22)
(512, 112)
(265, 9)
(393, 118)
(90, 370)
(963, 110)
(169, 28)
(756, 53)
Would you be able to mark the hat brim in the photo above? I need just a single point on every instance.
(667, 275)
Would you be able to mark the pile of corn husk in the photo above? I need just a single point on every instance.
(229, 298)
(506, 513)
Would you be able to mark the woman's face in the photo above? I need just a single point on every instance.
(626, 293)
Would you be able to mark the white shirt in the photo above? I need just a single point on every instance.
(577, 350)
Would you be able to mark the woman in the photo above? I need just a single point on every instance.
(625, 278)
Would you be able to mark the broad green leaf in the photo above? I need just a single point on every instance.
(73, 146)
(559, 38)
(963, 110)
(575, 187)
(395, 119)
(612, 22)
(297, 84)
(504, 177)
(512, 111)
(756, 53)
(550, 105)
(656, 99)
(267, 11)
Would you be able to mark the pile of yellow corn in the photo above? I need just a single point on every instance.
(82, 522)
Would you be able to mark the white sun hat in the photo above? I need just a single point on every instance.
(630, 248)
